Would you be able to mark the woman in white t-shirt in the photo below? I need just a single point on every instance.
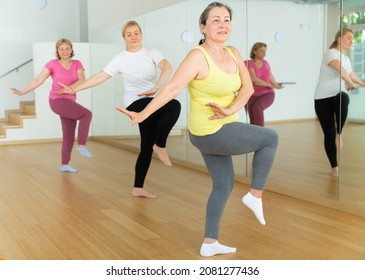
(331, 97)
(138, 66)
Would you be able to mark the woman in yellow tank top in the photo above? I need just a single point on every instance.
(219, 86)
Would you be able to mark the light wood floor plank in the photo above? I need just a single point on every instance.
(45, 214)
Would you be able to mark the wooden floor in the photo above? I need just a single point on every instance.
(301, 168)
(45, 214)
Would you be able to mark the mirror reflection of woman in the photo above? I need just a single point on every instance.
(138, 67)
(264, 84)
(331, 96)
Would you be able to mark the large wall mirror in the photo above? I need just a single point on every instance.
(297, 34)
(352, 173)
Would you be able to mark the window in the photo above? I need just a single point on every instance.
(355, 19)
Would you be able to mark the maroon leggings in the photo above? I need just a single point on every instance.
(256, 106)
(70, 112)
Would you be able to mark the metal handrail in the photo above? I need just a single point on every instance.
(16, 68)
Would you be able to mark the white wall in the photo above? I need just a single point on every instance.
(21, 25)
(116, 10)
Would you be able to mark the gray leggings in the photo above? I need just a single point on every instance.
(217, 149)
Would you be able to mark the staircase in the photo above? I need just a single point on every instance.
(14, 118)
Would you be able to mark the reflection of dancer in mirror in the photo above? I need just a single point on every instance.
(331, 101)
(219, 85)
(138, 65)
(264, 84)
(70, 72)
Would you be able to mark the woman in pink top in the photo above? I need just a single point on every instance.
(70, 72)
(263, 83)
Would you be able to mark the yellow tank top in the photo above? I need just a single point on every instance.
(219, 87)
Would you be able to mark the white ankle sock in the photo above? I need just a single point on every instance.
(255, 204)
(209, 250)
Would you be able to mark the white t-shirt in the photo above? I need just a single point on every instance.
(138, 70)
(329, 79)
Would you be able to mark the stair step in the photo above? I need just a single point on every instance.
(9, 125)
(14, 118)
(29, 109)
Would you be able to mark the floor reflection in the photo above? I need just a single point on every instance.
(301, 167)
(352, 168)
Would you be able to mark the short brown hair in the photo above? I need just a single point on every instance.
(338, 35)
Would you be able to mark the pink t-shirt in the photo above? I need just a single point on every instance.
(63, 75)
(264, 73)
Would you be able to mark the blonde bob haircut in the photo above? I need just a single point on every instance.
(64, 41)
(255, 47)
(130, 24)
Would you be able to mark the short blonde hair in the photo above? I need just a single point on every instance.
(130, 24)
(255, 47)
(64, 41)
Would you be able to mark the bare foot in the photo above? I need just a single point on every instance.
(339, 142)
(162, 155)
(142, 193)
(334, 172)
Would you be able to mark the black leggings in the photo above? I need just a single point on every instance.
(332, 115)
(154, 130)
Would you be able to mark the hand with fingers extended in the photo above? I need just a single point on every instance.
(16, 91)
(219, 112)
(134, 116)
(66, 89)
(149, 93)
